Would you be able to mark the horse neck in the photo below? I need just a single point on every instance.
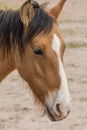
(7, 64)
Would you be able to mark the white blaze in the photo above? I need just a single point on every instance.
(62, 96)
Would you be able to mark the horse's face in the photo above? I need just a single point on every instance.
(42, 67)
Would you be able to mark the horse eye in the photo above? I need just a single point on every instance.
(38, 51)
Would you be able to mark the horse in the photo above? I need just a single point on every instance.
(30, 42)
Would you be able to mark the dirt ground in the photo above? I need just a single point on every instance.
(17, 108)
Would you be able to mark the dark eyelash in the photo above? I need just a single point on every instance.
(38, 51)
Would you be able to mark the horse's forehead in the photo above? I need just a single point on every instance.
(47, 39)
(50, 40)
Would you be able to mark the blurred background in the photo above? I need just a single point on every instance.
(17, 108)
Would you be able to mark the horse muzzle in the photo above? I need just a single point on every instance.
(59, 112)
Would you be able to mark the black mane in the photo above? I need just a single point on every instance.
(11, 28)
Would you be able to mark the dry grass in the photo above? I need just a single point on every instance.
(76, 45)
(3, 6)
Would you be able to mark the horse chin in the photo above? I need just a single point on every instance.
(51, 117)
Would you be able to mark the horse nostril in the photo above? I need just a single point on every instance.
(68, 112)
(58, 108)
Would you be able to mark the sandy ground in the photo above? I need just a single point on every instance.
(17, 108)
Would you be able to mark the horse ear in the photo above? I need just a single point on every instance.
(56, 10)
(27, 13)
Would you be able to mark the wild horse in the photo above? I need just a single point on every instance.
(31, 43)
